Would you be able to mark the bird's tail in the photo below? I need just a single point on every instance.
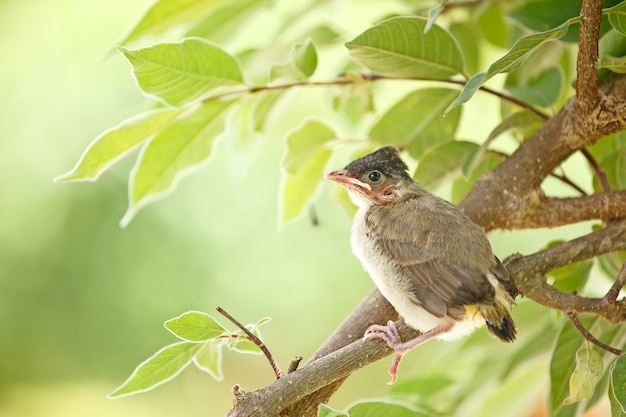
(499, 322)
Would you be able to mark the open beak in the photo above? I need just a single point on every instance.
(344, 178)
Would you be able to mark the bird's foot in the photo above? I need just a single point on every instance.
(389, 334)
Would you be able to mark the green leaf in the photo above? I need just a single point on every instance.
(304, 143)
(173, 152)
(325, 411)
(542, 90)
(167, 14)
(513, 59)
(417, 120)
(220, 25)
(398, 47)
(614, 64)
(571, 277)
(158, 369)
(242, 344)
(384, 408)
(617, 386)
(433, 14)
(491, 22)
(617, 17)
(299, 65)
(562, 364)
(542, 15)
(525, 122)
(195, 326)
(615, 167)
(608, 145)
(209, 360)
(466, 36)
(586, 375)
(440, 164)
(179, 73)
(303, 166)
(611, 263)
(488, 162)
(298, 190)
(616, 406)
(115, 143)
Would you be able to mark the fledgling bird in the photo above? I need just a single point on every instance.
(428, 259)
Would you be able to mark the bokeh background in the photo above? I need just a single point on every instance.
(82, 301)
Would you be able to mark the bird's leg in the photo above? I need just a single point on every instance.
(389, 334)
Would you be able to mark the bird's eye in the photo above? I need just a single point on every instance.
(374, 176)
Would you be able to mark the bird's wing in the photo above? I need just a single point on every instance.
(440, 284)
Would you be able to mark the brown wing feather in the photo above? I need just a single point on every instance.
(443, 274)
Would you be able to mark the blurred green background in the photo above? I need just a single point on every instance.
(82, 301)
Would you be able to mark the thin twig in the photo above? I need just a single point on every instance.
(585, 333)
(293, 365)
(600, 173)
(617, 286)
(275, 367)
(369, 77)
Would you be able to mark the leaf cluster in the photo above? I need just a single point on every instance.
(406, 81)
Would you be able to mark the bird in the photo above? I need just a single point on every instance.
(433, 264)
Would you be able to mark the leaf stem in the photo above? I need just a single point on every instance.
(275, 367)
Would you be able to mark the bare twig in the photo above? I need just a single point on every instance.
(277, 371)
(293, 365)
(573, 318)
(600, 173)
(617, 286)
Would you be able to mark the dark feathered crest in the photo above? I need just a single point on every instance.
(386, 160)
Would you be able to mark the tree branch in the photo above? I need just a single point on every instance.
(587, 94)
(300, 392)
(538, 211)
(500, 192)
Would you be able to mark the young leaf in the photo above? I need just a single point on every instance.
(417, 120)
(167, 14)
(299, 65)
(298, 190)
(225, 20)
(542, 90)
(179, 73)
(242, 344)
(614, 64)
(158, 369)
(617, 17)
(587, 373)
(115, 143)
(398, 47)
(303, 166)
(437, 165)
(209, 359)
(433, 14)
(524, 121)
(617, 386)
(325, 411)
(173, 152)
(541, 15)
(513, 59)
(304, 143)
(384, 408)
(616, 406)
(195, 326)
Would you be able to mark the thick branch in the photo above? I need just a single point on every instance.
(285, 396)
(501, 192)
(539, 211)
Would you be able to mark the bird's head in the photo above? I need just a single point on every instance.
(376, 178)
